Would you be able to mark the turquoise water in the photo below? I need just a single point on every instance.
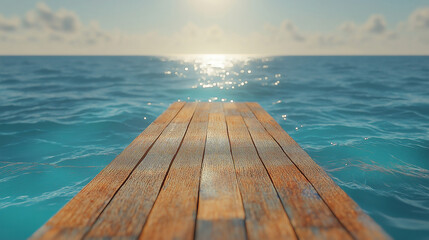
(365, 120)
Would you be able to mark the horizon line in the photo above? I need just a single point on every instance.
(214, 54)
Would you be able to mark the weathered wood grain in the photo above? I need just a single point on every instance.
(358, 224)
(126, 214)
(309, 215)
(212, 171)
(77, 216)
(174, 214)
(265, 215)
(220, 210)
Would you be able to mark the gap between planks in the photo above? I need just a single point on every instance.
(213, 170)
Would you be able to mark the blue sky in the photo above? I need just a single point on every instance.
(219, 26)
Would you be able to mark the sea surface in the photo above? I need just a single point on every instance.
(365, 120)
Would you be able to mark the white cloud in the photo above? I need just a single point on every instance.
(375, 24)
(43, 18)
(46, 31)
(286, 32)
(290, 28)
(348, 27)
(419, 19)
(8, 25)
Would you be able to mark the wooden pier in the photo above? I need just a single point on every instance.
(212, 171)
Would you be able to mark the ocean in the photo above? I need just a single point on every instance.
(364, 119)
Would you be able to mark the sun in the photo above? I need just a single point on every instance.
(210, 6)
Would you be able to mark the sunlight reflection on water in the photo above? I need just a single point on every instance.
(363, 119)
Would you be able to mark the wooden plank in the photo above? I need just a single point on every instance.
(265, 215)
(311, 218)
(126, 214)
(174, 214)
(254, 182)
(359, 224)
(76, 217)
(220, 210)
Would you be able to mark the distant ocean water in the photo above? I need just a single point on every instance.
(365, 120)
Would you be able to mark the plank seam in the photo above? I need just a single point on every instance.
(199, 182)
(235, 170)
(141, 159)
(168, 170)
(351, 235)
(347, 230)
(272, 182)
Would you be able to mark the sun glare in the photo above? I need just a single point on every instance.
(210, 6)
(224, 72)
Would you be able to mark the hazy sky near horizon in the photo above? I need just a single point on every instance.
(272, 27)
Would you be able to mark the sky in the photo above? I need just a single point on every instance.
(167, 27)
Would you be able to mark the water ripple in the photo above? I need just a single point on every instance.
(365, 120)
